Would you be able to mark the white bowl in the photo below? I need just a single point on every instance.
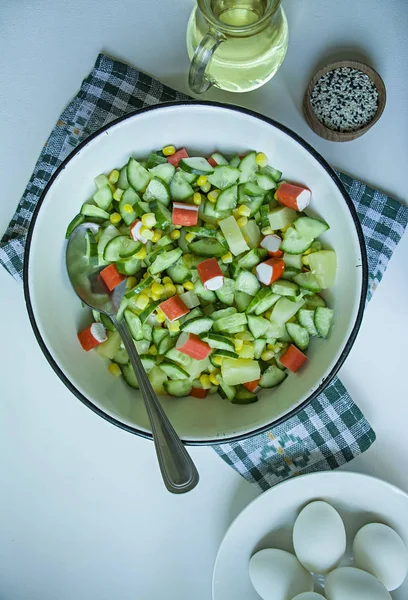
(56, 314)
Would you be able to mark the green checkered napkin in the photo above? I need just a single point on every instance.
(331, 430)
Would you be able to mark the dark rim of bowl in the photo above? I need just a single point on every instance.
(325, 381)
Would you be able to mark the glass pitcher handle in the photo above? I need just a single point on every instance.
(197, 79)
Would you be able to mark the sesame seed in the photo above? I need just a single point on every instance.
(344, 99)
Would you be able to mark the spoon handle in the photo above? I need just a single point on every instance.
(178, 470)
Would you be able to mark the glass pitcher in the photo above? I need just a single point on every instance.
(236, 45)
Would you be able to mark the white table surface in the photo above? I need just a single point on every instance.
(83, 513)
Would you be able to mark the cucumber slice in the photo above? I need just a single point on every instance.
(254, 203)
(293, 243)
(258, 326)
(293, 260)
(157, 378)
(306, 319)
(323, 265)
(134, 324)
(145, 314)
(129, 376)
(247, 282)
(314, 301)
(284, 310)
(130, 197)
(219, 159)
(178, 388)
(121, 357)
(147, 332)
(207, 247)
(167, 343)
(142, 346)
(228, 324)
(201, 232)
(262, 302)
(307, 281)
(227, 200)
(223, 177)
(264, 215)
(180, 189)
(225, 354)
(138, 176)
(164, 241)
(272, 377)
(91, 247)
(148, 362)
(90, 210)
(154, 159)
(281, 217)
(234, 162)
(299, 335)
(290, 272)
(159, 333)
(197, 325)
(206, 295)
(157, 190)
(252, 189)
(259, 347)
(252, 258)
(109, 348)
(264, 182)
(105, 320)
(196, 312)
(104, 236)
(139, 287)
(77, 220)
(285, 288)
(191, 178)
(165, 260)
(225, 293)
(227, 391)
(179, 273)
(179, 357)
(242, 300)
(218, 341)
(197, 165)
(190, 299)
(223, 312)
(244, 396)
(271, 172)
(251, 233)
(123, 182)
(239, 370)
(128, 266)
(173, 371)
(310, 228)
(248, 168)
(103, 197)
(323, 319)
(165, 172)
(120, 246)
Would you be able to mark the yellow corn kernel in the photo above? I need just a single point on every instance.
(246, 238)
(174, 326)
(271, 347)
(179, 289)
(128, 208)
(144, 274)
(238, 344)
(118, 194)
(212, 196)
(156, 297)
(268, 314)
(112, 187)
(157, 288)
(244, 211)
(115, 369)
(141, 255)
(283, 229)
(242, 221)
(160, 316)
(142, 301)
(146, 233)
(188, 285)
(115, 218)
(175, 234)
(227, 258)
(202, 180)
(261, 159)
(130, 282)
(205, 381)
(152, 350)
(197, 199)
(113, 176)
(267, 231)
(156, 236)
(218, 360)
(166, 280)
(149, 220)
(169, 150)
(292, 320)
(267, 355)
(169, 289)
(190, 237)
(235, 213)
(215, 380)
(206, 187)
(305, 260)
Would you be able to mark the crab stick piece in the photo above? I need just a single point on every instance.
(210, 274)
(198, 392)
(174, 308)
(293, 196)
(270, 270)
(111, 276)
(193, 346)
(212, 162)
(293, 358)
(271, 243)
(251, 385)
(134, 231)
(175, 158)
(92, 336)
(184, 214)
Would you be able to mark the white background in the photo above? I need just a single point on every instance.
(83, 513)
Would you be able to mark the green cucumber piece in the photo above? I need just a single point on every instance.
(220, 159)
(323, 319)
(105, 320)
(293, 260)
(77, 220)
(197, 165)
(139, 287)
(157, 378)
(145, 314)
(285, 288)
(223, 177)
(162, 214)
(259, 347)
(252, 258)
(225, 293)
(310, 228)
(134, 324)
(323, 265)
(103, 197)
(225, 354)
(201, 232)
(281, 217)
(218, 341)
(179, 357)
(299, 335)
(154, 159)
(227, 391)
(290, 272)
(264, 182)
(227, 199)
(306, 319)
(244, 396)
(129, 196)
(121, 357)
(91, 247)
(307, 281)
(234, 162)
(252, 189)
(314, 301)
(242, 300)
(247, 282)
(248, 168)
(207, 247)
(271, 172)
(165, 260)
(272, 377)
(178, 388)
(179, 273)
(252, 234)
(90, 210)
(128, 266)
(206, 295)
(262, 302)
(120, 246)
(258, 326)
(138, 176)
(166, 344)
(284, 310)
(159, 333)
(157, 190)
(293, 243)
(109, 348)
(129, 376)
(228, 324)
(190, 299)
(148, 362)
(165, 172)
(173, 371)
(198, 325)
(123, 182)
(223, 312)
(142, 346)
(180, 189)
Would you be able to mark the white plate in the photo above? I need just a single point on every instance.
(268, 521)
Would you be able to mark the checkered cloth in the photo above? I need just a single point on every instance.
(331, 430)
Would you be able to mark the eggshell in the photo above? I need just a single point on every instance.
(278, 575)
(309, 596)
(348, 583)
(379, 550)
(319, 537)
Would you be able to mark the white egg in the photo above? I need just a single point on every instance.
(348, 583)
(379, 550)
(278, 575)
(309, 596)
(319, 537)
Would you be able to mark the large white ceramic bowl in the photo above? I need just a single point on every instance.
(56, 314)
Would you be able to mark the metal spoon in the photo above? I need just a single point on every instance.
(178, 470)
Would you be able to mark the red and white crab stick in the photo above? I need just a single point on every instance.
(134, 231)
(210, 274)
(193, 346)
(184, 214)
(270, 270)
(174, 159)
(92, 336)
(293, 196)
(271, 243)
(174, 308)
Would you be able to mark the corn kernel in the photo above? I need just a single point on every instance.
(197, 199)
(157, 288)
(242, 221)
(112, 187)
(235, 213)
(115, 370)
(267, 231)
(218, 360)
(130, 282)
(212, 196)
(174, 326)
(205, 381)
(206, 187)
(271, 347)
(169, 289)
(268, 314)
(160, 317)
(144, 274)
(146, 232)
(179, 289)
(175, 234)
(156, 236)
(128, 208)
(156, 297)
(152, 350)
(246, 238)
(308, 251)
(227, 258)
(190, 237)
(202, 180)
(261, 159)
(238, 344)
(244, 211)
(142, 301)
(283, 229)
(215, 380)
(305, 260)
(166, 280)
(115, 218)
(141, 255)
(149, 220)
(292, 319)
(169, 150)
(118, 194)
(188, 285)
(267, 355)
(113, 176)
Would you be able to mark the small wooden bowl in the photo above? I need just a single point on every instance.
(346, 136)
